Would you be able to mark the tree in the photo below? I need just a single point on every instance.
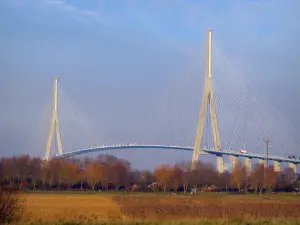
(223, 180)
(135, 178)
(257, 178)
(8, 170)
(119, 174)
(176, 177)
(163, 175)
(44, 174)
(298, 182)
(69, 172)
(22, 166)
(270, 178)
(110, 172)
(146, 178)
(186, 174)
(238, 176)
(82, 177)
(288, 178)
(94, 173)
(55, 172)
(35, 171)
(204, 175)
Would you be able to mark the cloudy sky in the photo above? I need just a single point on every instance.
(132, 71)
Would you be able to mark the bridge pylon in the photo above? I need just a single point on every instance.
(54, 126)
(208, 101)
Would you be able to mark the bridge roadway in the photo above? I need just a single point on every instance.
(202, 151)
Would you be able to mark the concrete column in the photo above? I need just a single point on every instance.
(220, 163)
(293, 166)
(248, 164)
(54, 126)
(234, 161)
(261, 161)
(276, 166)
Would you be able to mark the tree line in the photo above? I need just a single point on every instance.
(107, 172)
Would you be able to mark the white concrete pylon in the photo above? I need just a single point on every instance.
(276, 166)
(234, 161)
(261, 161)
(293, 166)
(248, 165)
(208, 99)
(54, 126)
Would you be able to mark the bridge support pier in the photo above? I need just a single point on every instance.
(261, 162)
(234, 160)
(220, 163)
(276, 166)
(248, 165)
(293, 166)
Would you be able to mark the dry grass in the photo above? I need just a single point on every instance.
(55, 207)
(91, 208)
(193, 208)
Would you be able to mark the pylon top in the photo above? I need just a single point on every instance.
(208, 57)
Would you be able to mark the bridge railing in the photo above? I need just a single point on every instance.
(210, 151)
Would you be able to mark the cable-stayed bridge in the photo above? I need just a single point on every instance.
(233, 116)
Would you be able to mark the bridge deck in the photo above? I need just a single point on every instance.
(183, 148)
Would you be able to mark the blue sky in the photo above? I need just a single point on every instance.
(122, 59)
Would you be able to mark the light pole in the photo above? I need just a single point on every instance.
(266, 141)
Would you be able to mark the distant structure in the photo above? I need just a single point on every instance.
(208, 104)
(54, 126)
(208, 101)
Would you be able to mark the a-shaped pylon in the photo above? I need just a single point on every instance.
(208, 101)
(54, 126)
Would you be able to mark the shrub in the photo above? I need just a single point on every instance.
(11, 207)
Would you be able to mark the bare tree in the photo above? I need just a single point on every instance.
(94, 172)
(8, 170)
(163, 175)
(69, 170)
(239, 176)
(176, 177)
(270, 178)
(119, 174)
(146, 178)
(35, 171)
(257, 178)
(22, 166)
(111, 172)
(186, 174)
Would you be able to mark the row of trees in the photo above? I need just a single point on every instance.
(107, 172)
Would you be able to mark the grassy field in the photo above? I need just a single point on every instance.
(54, 207)
(210, 208)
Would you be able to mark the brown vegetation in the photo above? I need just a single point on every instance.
(178, 208)
(53, 207)
(11, 206)
(110, 173)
